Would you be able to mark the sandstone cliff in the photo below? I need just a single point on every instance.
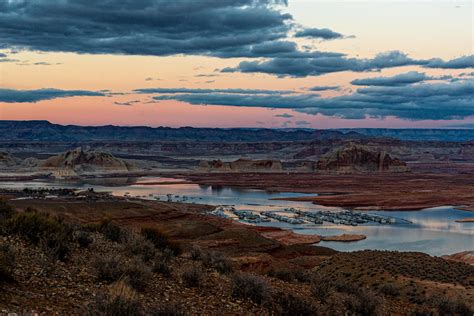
(241, 165)
(82, 160)
(357, 158)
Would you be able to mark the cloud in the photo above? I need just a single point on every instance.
(325, 34)
(13, 96)
(284, 115)
(128, 103)
(315, 66)
(457, 63)
(435, 101)
(231, 91)
(324, 88)
(397, 80)
(302, 123)
(142, 27)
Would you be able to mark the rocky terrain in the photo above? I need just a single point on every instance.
(241, 165)
(357, 158)
(6, 160)
(83, 160)
(115, 257)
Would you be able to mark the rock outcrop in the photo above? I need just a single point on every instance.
(357, 158)
(6, 160)
(80, 161)
(241, 165)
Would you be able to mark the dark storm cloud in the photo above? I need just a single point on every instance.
(13, 96)
(414, 102)
(457, 63)
(324, 88)
(230, 91)
(397, 80)
(325, 34)
(316, 66)
(141, 27)
(302, 123)
(284, 115)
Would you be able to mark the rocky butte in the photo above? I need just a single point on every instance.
(358, 158)
(241, 165)
(84, 160)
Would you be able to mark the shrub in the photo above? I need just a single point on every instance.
(162, 268)
(33, 226)
(365, 302)
(251, 287)
(113, 232)
(390, 289)
(217, 261)
(302, 275)
(7, 263)
(161, 240)
(121, 300)
(137, 245)
(6, 210)
(192, 276)
(292, 305)
(196, 253)
(446, 306)
(114, 268)
(283, 274)
(321, 288)
(83, 239)
(53, 234)
(57, 245)
(137, 275)
(109, 268)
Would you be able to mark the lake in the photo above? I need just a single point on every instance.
(433, 231)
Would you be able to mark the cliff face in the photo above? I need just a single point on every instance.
(82, 160)
(241, 165)
(358, 158)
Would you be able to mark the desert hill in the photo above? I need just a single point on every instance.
(241, 165)
(357, 158)
(83, 160)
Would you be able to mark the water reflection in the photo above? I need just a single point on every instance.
(433, 231)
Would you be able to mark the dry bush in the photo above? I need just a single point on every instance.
(137, 245)
(365, 302)
(83, 238)
(390, 289)
(113, 232)
(109, 268)
(51, 233)
(137, 275)
(250, 286)
(121, 300)
(283, 274)
(161, 240)
(292, 305)
(6, 210)
(168, 309)
(217, 261)
(113, 268)
(321, 288)
(7, 263)
(446, 306)
(192, 276)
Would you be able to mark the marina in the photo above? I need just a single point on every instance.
(434, 230)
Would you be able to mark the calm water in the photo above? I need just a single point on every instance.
(433, 231)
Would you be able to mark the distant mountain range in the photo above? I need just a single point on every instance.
(46, 131)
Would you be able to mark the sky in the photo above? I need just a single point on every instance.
(238, 63)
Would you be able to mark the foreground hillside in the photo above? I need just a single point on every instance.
(117, 257)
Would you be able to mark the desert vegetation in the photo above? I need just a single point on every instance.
(106, 268)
